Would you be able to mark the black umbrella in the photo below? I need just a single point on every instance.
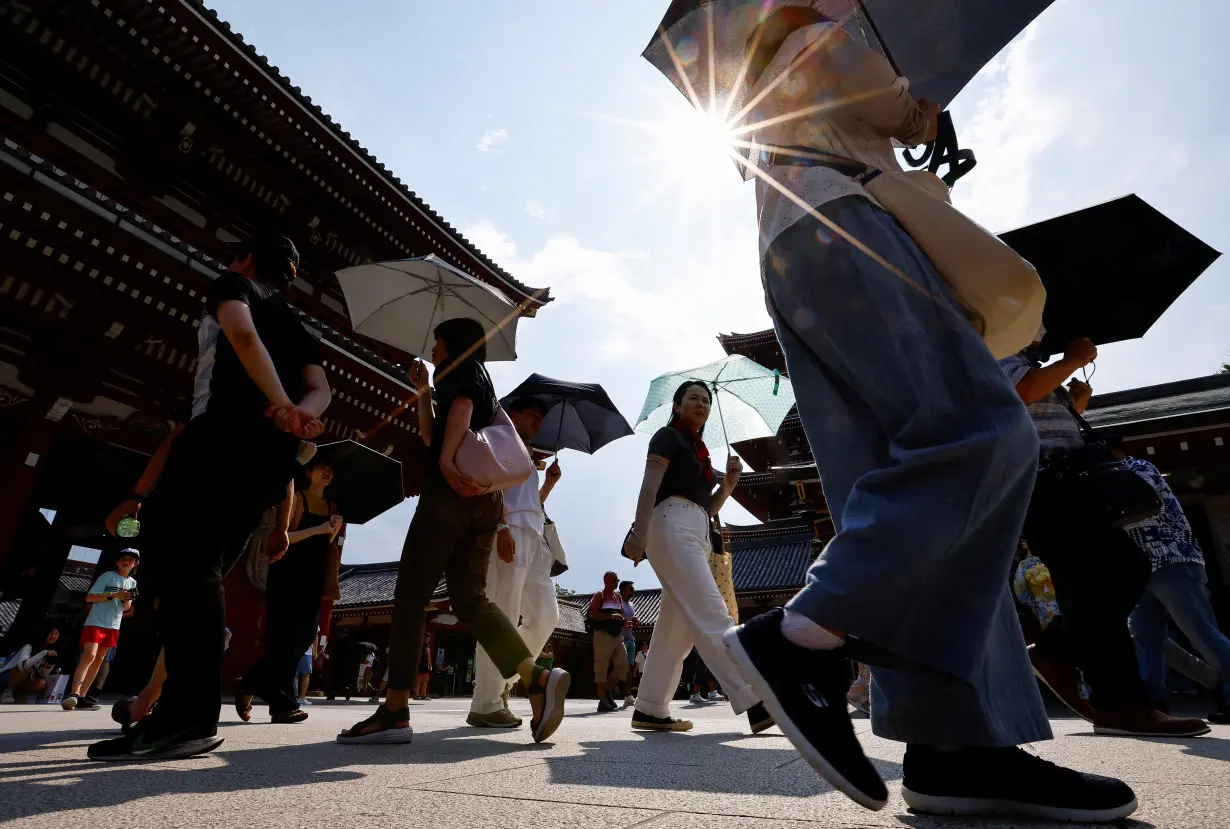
(939, 45)
(365, 482)
(1110, 271)
(579, 416)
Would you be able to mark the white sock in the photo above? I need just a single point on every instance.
(805, 633)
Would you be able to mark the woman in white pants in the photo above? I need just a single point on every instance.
(678, 497)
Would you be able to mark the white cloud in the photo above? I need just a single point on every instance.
(492, 139)
(536, 210)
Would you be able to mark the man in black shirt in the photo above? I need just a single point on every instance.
(234, 459)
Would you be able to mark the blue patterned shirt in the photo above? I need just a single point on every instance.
(1167, 538)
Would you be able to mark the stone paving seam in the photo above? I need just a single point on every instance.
(666, 812)
(418, 786)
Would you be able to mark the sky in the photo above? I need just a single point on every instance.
(536, 129)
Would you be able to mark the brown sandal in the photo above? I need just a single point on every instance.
(289, 717)
(243, 706)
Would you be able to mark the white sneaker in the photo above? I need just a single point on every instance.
(697, 699)
(629, 701)
(305, 701)
(717, 696)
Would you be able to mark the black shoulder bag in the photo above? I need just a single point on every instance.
(1101, 487)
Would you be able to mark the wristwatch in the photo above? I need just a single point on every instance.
(140, 499)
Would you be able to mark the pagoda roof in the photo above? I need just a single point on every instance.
(1199, 401)
(372, 585)
(385, 176)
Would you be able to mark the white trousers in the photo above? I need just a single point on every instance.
(693, 611)
(525, 592)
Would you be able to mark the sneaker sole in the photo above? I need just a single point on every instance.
(387, 737)
(481, 723)
(1107, 731)
(180, 751)
(683, 725)
(68, 704)
(553, 706)
(969, 806)
(804, 746)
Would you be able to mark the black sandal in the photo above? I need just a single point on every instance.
(394, 728)
(289, 717)
(244, 709)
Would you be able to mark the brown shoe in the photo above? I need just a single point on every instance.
(1063, 680)
(1147, 723)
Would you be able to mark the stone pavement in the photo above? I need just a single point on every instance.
(597, 773)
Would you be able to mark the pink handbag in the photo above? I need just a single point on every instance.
(495, 456)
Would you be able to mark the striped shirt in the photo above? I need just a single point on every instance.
(1057, 428)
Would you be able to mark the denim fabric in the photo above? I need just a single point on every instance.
(1178, 592)
(927, 457)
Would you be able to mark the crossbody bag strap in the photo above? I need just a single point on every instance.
(810, 157)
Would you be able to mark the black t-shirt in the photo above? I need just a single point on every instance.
(685, 477)
(223, 387)
(470, 380)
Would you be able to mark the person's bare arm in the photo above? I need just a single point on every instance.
(319, 395)
(734, 469)
(146, 483)
(425, 405)
(455, 429)
(1040, 382)
(235, 317)
(553, 476)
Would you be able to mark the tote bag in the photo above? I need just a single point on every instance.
(495, 456)
(1000, 291)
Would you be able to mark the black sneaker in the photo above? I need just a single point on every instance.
(1009, 781)
(88, 703)
(605, 705)
(759, 719)
(142, 745)
(805, 692)
(648, 723)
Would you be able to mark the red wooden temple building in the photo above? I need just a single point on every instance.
(1182, 427)
(137, 139)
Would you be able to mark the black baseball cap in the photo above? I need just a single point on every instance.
(129, 552)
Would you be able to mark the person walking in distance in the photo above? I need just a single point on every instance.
(452, 534)
(109, 598)
(296, 583)
(628, 633)
(605, 619)
(1098, 571)
(926, 454)
(519, 573)
(679, 496)
(1177, 589)
(260, 389)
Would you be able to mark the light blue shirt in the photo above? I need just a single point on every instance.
(109, 613)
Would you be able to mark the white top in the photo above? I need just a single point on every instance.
(523, 506)
(861, 106)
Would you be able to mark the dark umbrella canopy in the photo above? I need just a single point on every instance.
(365, 482)
(1110, 271)
(579, 416)
(939, 45)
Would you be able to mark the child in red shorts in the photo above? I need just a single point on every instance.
(109, 598)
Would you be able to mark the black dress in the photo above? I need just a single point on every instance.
(293, 592)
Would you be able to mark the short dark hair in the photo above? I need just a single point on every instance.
(527, 401)
(275, 256)
(624, 584)
(464, 339)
